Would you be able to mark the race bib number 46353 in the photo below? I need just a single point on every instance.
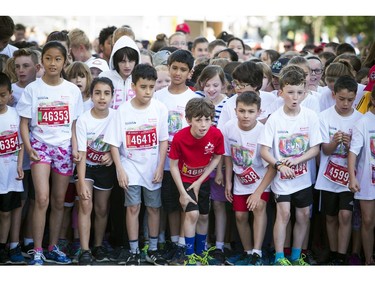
(53, 115)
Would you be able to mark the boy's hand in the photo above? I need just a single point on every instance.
(20, 173)
(185, 199)
(158, 176)
(122, 178)
(76, 157)
(228, 192)
(195, 186)
(354, 185)
(219, 178)
(253, 201)
(346, 139)
(287, 172)
(107, 159)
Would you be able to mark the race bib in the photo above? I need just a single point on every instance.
(337, 174)
(9, 143)
(249, 176)
(141, 139)
(53, 115)
(299, 170)
(192, 171)
(94, 156)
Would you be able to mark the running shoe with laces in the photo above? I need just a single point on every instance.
(63, 245)
(143, 253)
(232, 259)
(119, 255)
(218, 255)
(207, 257)
(256, 260)
(282, 261)
(57, 256)
(179, 256)
(100, 254)
(133, 259)
(85, 257)
(300, 261)
(191, 260)
(155, 258)
(38, 257)
(309, 258)
(169, 250)
(15, 255)
(26, 249)
(244, 260)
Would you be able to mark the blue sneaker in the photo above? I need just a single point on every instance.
(56, 256)
(37, 257)
(256, 260)
(15, 255)
(245, 259)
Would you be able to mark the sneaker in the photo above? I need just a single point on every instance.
(85, 258)
(179, 256)
(336, 262)
(256, 260)
(57, 256)
(15, 256)
(26, 249)
(309, 258)
(192, 259)
(245, 259)
(169, 250)
(100, 254)
(300, 261)
(282, 261)
(63, 245)
(37, 257)
(133, 259)
(107, 246)
(3, 257)
(207, 257)
(155, 258)
(232, 259)
(119, 255)
(355, 259)
(143, 253)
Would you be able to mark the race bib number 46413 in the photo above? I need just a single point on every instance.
(141, 139)
(53, 115)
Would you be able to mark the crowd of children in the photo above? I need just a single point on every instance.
(194, 153)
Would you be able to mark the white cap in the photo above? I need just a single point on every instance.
(98, 63)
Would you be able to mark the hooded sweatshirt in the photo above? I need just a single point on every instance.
(122, 88)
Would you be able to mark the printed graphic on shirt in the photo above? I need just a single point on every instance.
(96, 149)
(243, 157)
(340, 149)
(9, 142)
(174, 122)
(55, 113)
(143, 137)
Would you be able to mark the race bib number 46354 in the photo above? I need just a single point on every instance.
(53, 115)
(9, 143)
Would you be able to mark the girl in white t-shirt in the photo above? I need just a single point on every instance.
(362, 175)
(50, 107)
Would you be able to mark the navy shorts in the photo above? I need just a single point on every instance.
(10, 201)
(299, 199)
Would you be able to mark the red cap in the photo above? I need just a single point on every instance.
(183, 27)
(371, 79)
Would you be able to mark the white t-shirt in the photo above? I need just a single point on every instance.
(137, 133)
(176, 112)
(16, 93)
(363, 145)
(10, 140)
(290, 136)
(243, 148)
(87, 105)
(52, 110)
(90, 133)
(228, 112)
(9, 50)
(333, 175)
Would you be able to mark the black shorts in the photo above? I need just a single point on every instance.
(10, 201)
(169, 194)
(203, 199)
(299, 199)
(333, 202)
(103, 177)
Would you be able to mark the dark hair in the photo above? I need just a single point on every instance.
(130, 53)
(345, 48)
(249, 72)
(20, 26)
(248, 98)
(354, 61)
(216, 42)
(144, 71)
(103, 80)
(160, 42)
(233, 55)
(272, 54)
(197, 70)
(6, 27)
(230, 66)
(59, 36)
(292, 75)
(225, 36)
(105, 33)
(5, 81)
(237, 39)
(345, 83)
(332, 45)
(182, 56)
(209, 72)
(362, 73)
(199, 39)
(199, 107)
(169, 48)
(60, 47)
